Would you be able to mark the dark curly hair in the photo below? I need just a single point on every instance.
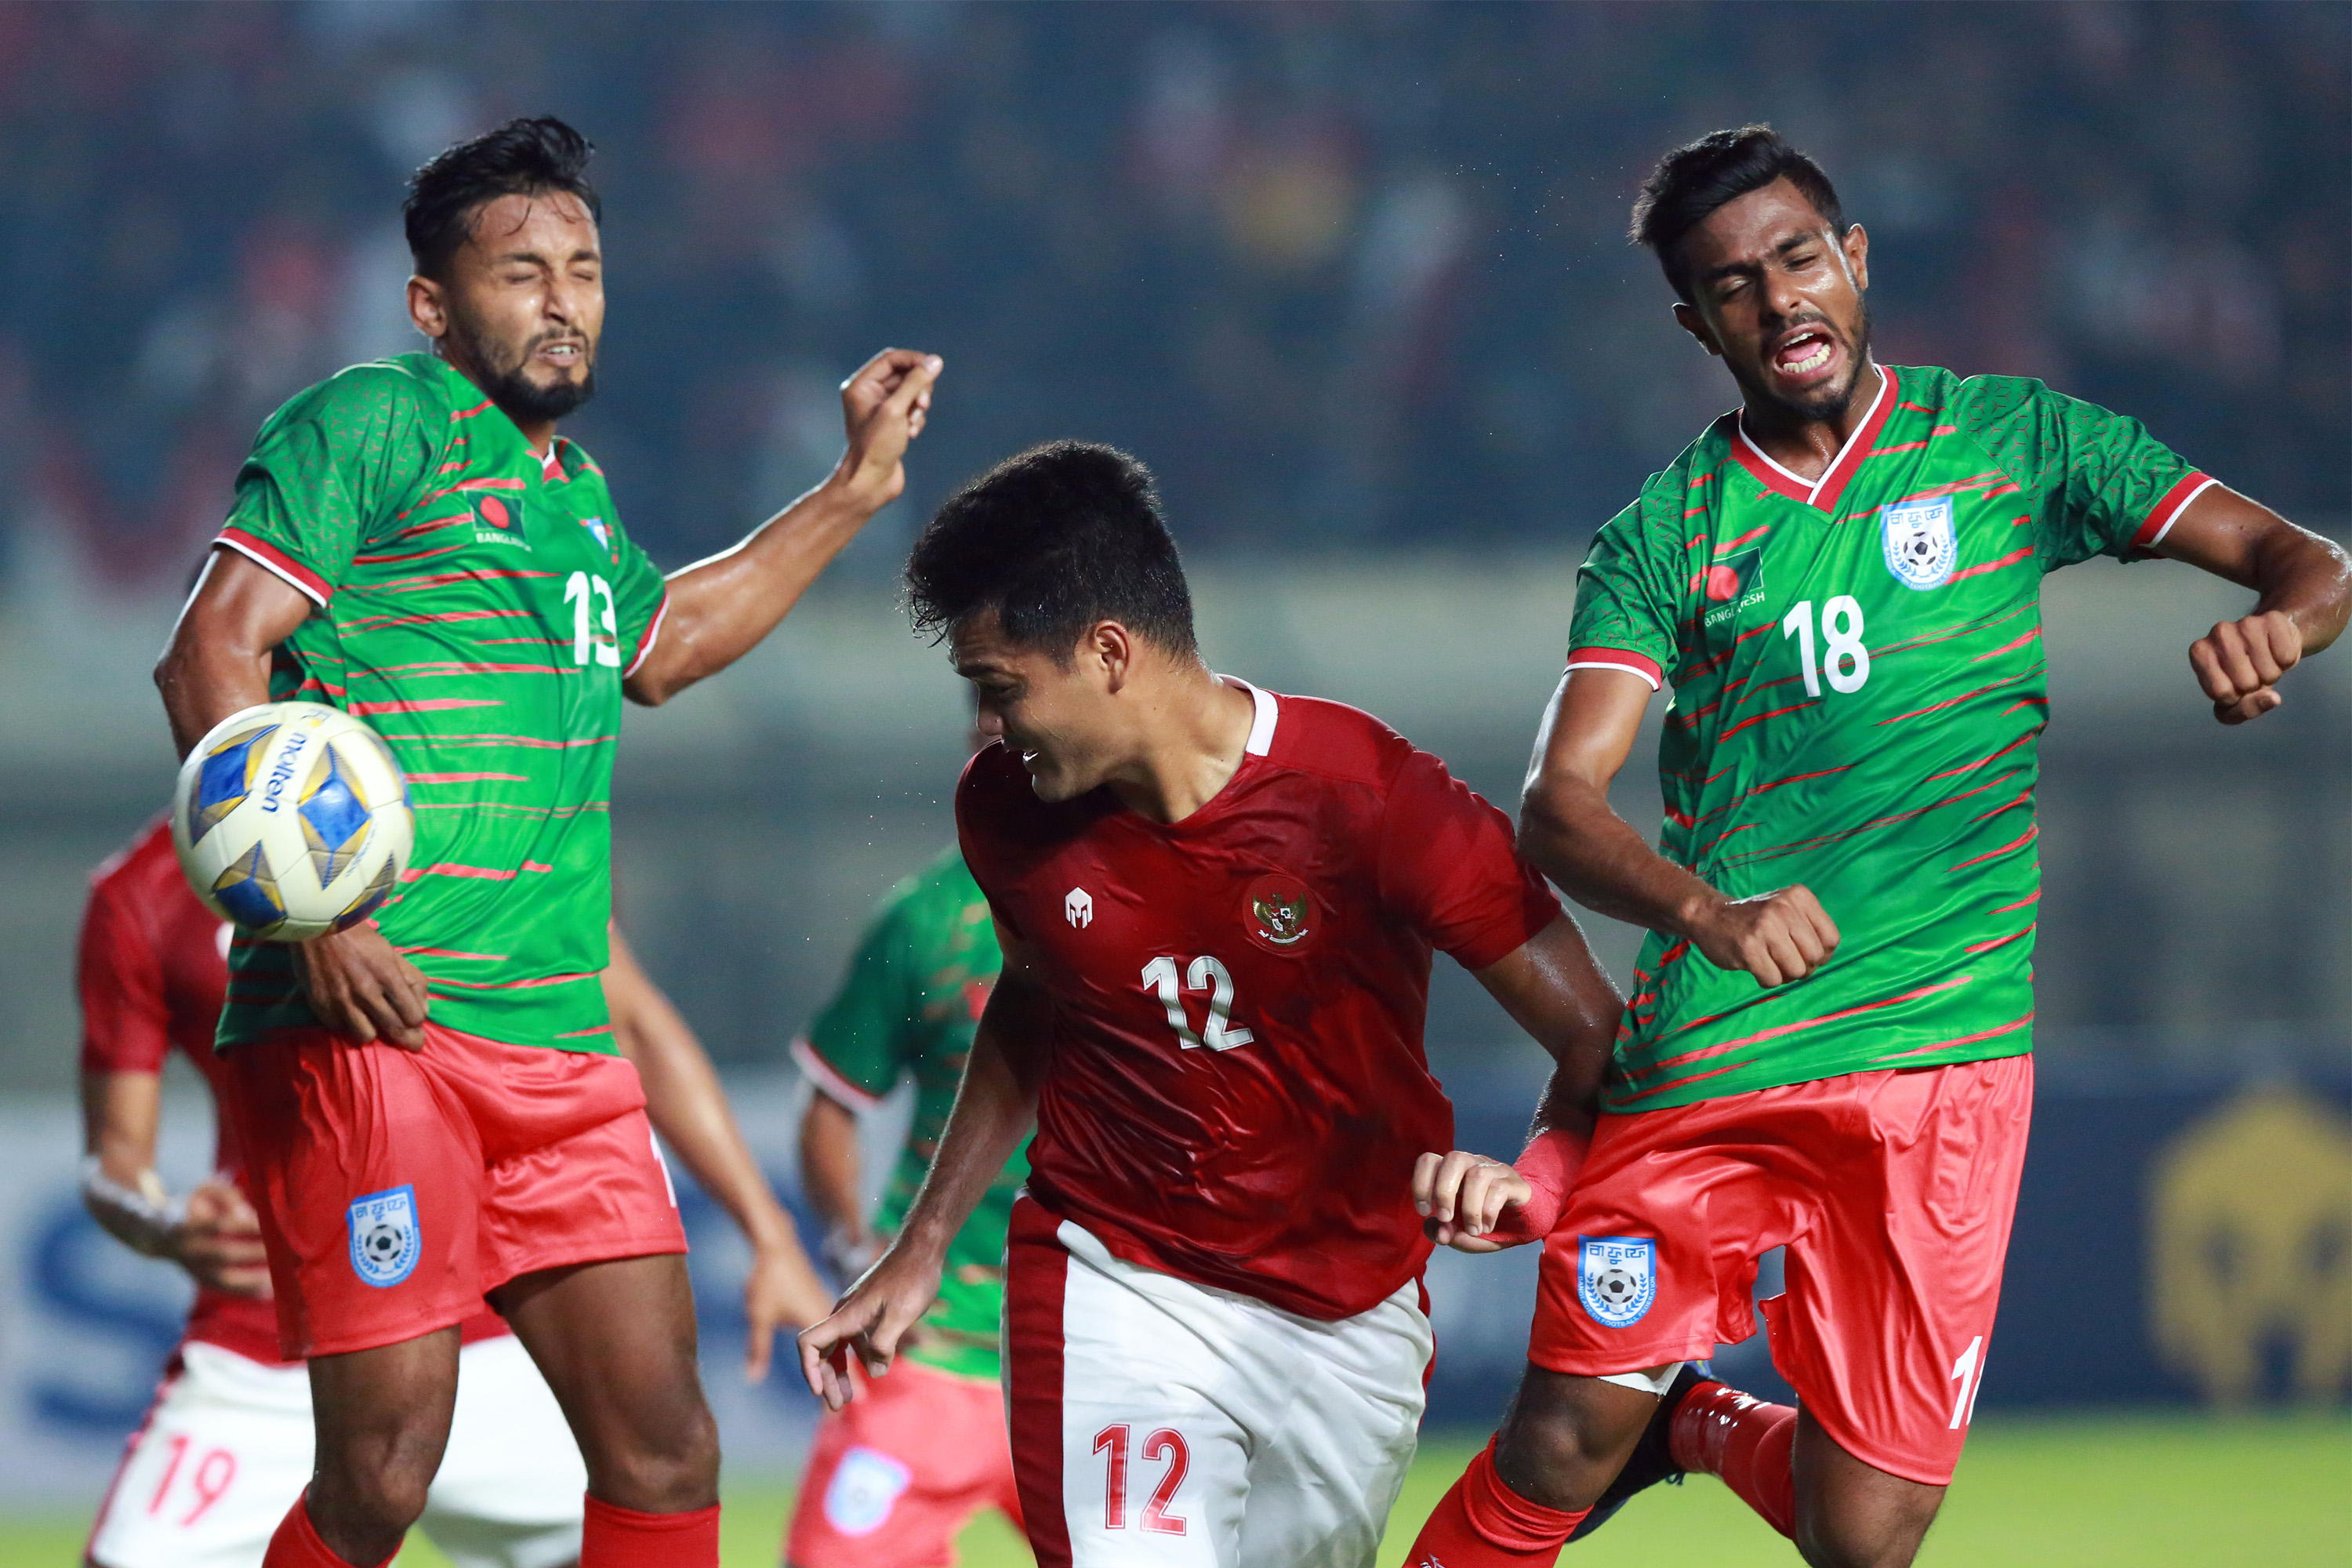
(520, 158)
(1054, 539)
(1695, 179)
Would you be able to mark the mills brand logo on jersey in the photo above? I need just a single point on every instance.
(1731, 584)
(1078, 907)
(1280, 913)
(1922, 546)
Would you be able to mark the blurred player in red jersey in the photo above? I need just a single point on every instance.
(414, 542)
(226, 1448)
(1828, 1046)
(1217, 907)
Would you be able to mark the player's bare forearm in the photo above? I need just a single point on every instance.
(120, 1112)
(217, 662)
(1571, 833)
(995, 1107)
(686, 1102)
(2303, 584)
(829, 1165)
(721, 607)
(1554, 990)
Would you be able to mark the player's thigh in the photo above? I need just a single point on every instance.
(223, 1455)
(1888, 1323)
(894, 1478)
(1655, 1258)
(509, 1491)
(1123, 1457)
(1322, 1482)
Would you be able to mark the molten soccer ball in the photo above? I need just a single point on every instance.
(293, 820)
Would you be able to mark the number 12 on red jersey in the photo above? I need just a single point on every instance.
(1206, 973)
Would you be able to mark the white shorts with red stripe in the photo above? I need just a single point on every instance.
(227, 1449)
(1161, 1423)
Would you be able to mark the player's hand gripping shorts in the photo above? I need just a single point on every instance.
(1161, 1423)
(1893, 1192)
(395, 1187)
(894, 1478)
(226, 1448)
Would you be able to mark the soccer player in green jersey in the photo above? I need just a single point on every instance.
(1826, 1047)
(434, 1109)
(894, 1477)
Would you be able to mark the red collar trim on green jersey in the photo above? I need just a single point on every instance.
(1824, 492)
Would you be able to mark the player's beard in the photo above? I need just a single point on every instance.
(504, 379)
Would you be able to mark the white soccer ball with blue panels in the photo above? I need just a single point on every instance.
(293, 820)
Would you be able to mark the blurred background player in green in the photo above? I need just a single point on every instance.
(894, 1477)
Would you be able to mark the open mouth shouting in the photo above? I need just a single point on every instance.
(1804, 357)
(562, 354)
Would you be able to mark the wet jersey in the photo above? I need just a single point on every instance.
(1237, 1088)
(907, 1008)
(1858, 691)
(479, 605)
(151, 973)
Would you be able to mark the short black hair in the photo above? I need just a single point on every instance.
(1054, 539)
(1695, 179)
(520, 158)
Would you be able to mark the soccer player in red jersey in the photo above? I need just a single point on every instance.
(226, 1448)
(413, 541)
(1827, 1047)
(1217, 907)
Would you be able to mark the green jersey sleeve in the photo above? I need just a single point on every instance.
(1628, 592)
(856, 1048)
(2095, 483)
(640, 598)
(326, 472)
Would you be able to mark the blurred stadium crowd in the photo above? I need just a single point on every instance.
(1347, 274)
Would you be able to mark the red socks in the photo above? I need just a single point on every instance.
(297, 1543)
(623, 1537)
(1482, 1523)
(1723, 1432)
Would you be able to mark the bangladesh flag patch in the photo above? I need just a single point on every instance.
(1730, 585)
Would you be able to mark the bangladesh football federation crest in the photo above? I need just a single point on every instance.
(1922, 546)
(385, 1240)
(1281, 913)
(595, 526)
(1731, 584)
(1617, 1277)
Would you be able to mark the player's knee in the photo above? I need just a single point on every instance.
(1886, 1539)
(371, 1505)
(672, 1469)
(1554, 1449)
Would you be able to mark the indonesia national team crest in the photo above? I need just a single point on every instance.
(1921, 547)
(1617, 1277)
(1280, 913)
(385, 1241)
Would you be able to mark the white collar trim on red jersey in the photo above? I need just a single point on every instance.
(1261, 735)
(1813, 487)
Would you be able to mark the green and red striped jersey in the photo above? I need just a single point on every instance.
(478, 604)
(1858, 694)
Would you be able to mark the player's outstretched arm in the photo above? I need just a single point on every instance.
(216, 664)
(213, 1234)
(719, 608)
(2303, 584)
(994, 1109)
(688, 1107)
(1569, 829)
(1554, 990)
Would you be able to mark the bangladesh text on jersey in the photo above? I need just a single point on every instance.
(1859, 688)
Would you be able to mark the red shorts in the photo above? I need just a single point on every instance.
(394, 1187)
(1893, 1192)
(894, 1478)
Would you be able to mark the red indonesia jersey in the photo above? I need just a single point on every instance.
(1238, 1089)
(154, 974)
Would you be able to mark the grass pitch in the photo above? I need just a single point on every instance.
(2093, 1491)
